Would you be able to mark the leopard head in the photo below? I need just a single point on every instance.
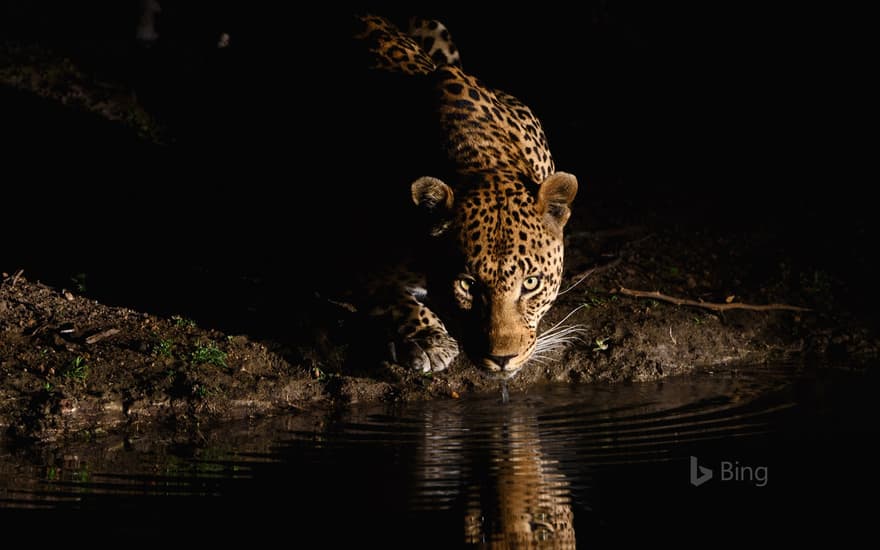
(498, 264)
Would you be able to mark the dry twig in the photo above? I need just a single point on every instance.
(101, 335)
(655, 295)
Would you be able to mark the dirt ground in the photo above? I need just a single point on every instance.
(77, 362)
(74, 367)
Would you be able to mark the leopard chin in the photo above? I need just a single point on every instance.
(506, 366)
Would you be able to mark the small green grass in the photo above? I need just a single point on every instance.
(77, 369)
(208, 353)
(183, 322)
(81, 475)
(600, 344)
(163, 348)
(593, 298)
(203, 391)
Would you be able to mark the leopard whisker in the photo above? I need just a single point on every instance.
(552, 344)
(539, 360)
(562, 333)
(576, 283)
(564, 319)
(557, 338)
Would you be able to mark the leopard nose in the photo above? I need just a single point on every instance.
(501, 360)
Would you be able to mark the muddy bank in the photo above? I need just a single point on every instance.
(74, 367)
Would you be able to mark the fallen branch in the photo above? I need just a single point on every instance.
(94, 338)
(655, 295)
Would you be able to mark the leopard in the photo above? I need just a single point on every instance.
(493, 223)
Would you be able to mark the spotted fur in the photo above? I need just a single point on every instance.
(434, 40)
(497, 227)
(391, 50)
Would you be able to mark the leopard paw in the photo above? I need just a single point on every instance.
(426, 352)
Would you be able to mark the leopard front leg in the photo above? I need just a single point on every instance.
(421, 341)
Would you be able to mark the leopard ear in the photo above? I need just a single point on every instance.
(554, 199)
(435, 199)
(432, 194)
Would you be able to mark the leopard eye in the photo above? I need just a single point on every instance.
(465, 284)
(531, 283)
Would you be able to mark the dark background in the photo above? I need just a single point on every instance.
(725, 115)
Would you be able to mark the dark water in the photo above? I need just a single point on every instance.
(790, 450)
